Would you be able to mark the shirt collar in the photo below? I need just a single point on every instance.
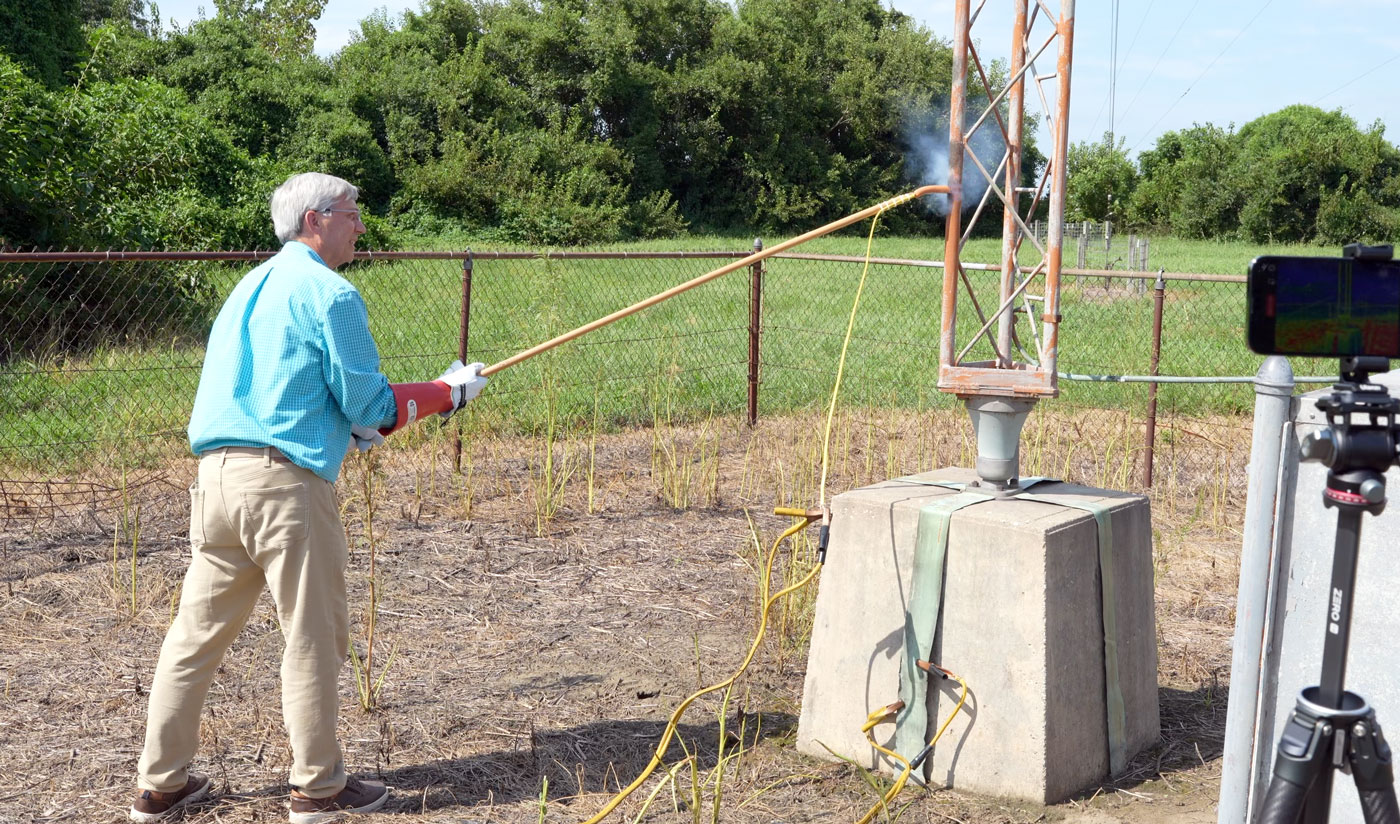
(299, 246)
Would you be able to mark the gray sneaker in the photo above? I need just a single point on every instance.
(153, 806)
(357, 797)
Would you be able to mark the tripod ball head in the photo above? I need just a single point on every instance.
(1361, 440)
(1319, 447)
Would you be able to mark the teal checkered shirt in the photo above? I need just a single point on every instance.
(291, 364)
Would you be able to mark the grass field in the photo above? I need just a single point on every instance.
(1174, 254)
(128, 401)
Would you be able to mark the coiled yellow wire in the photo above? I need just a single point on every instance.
(885, 713)
(768, 602)
(807, 519)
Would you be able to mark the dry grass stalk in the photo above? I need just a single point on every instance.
(685, 467)
(521, 658)
(367, 686)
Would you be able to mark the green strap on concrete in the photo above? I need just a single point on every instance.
(1113, 698)
(921, 617)
(925, 604)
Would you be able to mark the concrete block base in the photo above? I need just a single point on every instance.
(1021, 622)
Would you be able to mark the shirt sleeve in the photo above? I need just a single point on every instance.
(350, 363)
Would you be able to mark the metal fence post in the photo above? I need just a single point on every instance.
(755, 323)
(462, 349)
(1158, 295)
(1273, 393)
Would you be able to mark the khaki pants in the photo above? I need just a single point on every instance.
(256, 519)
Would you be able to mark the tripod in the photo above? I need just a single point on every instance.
(1331, 728)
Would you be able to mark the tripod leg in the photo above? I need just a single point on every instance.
(1302, 782)
(1370, 764)
(1378, 806)
(1283, 803)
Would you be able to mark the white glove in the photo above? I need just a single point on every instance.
(466, 384)
(363, 437)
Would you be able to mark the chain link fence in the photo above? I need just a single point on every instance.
(1098, 246)
(1107, 427)
(102, 353)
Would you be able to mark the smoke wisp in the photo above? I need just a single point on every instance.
(926, 158)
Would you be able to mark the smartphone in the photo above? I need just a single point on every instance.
(1323, 307)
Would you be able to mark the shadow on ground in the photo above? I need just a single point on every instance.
(1193, 736)
(598, 757)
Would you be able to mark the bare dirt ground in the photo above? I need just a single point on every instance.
(536, 627)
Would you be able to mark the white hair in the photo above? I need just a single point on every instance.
(301, 193)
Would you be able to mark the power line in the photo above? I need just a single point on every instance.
(1376, 67)
(1112, 70)
(1208, 67)
(1118, 67)
(1133, 42)
(1168, 47)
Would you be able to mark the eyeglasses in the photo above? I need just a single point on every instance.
(355, 213)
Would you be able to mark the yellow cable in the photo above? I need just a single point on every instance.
(841, 363)
(908, 767)
(807, 519)
(879, 715)
(665, 742)
(874, 720)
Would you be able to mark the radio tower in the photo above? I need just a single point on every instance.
(1000, 362)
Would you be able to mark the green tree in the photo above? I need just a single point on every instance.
(240, 84)
(776, 113)
(398, 80)
(159, 174)
(284, 27)
(339, 143)
(44, 36)
(1348, 214)
(36, 150)
(135, 14)
(126, 163)
(492, 122)
(1301, 164)
(796, 112)
(1300, 174)
(1100, 181)
(1185, 185)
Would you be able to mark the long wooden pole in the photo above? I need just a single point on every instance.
(709, 276)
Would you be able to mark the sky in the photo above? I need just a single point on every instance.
(1179, 62)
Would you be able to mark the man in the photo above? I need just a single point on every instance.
(290, 374)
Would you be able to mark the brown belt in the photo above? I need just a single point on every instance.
(266, 452)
